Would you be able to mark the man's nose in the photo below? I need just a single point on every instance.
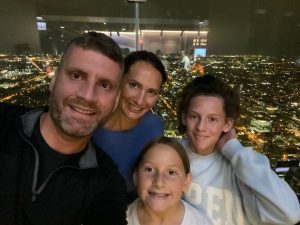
(88, 92)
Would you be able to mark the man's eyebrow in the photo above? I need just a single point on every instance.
(75, 69)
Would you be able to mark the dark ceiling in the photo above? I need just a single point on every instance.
(286, 12)
(195, 9)
(169, 9)
(274, 23)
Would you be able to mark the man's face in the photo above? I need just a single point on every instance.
(83, 92)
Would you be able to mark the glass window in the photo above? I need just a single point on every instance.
(252, 44)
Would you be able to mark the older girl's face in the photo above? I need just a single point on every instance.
(205, 120)
(161, 179)
(140, 90)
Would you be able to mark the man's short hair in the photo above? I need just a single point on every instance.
(98, 42)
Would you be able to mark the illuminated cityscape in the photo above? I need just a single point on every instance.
(252, 45)
(269, 88)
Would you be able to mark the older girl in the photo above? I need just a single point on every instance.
(231, 183)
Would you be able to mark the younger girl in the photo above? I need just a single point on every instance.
(162, 174)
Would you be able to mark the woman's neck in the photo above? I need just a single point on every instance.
(119, 122)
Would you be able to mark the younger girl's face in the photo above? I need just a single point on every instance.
(205, 120)
(161, 179)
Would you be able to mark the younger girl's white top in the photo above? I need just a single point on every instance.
(191, 215)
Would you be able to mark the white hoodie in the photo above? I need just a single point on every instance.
(237, 187)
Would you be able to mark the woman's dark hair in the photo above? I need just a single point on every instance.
(171, 142)
(208, 85)
(148, 57)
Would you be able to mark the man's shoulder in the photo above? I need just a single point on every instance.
(10, 118)
(102, 156)
(12, 111)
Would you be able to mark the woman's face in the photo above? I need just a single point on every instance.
(205, 120)
(140, 90)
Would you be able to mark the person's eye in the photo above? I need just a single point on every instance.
(105, 85)
(172, 172)
(75, 76)
(192, 116)
(148, 170)
(132, 84)
(153, 92)
(212, 119)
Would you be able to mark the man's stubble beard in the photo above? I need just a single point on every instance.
(69, 126)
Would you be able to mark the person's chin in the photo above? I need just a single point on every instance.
(134, 114)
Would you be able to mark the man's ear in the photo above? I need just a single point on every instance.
(228, 125)
(53, 80)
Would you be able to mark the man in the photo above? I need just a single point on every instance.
(50, 171)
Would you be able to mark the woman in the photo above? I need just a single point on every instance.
(162, 174)
(231, 183)
(132, 124)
